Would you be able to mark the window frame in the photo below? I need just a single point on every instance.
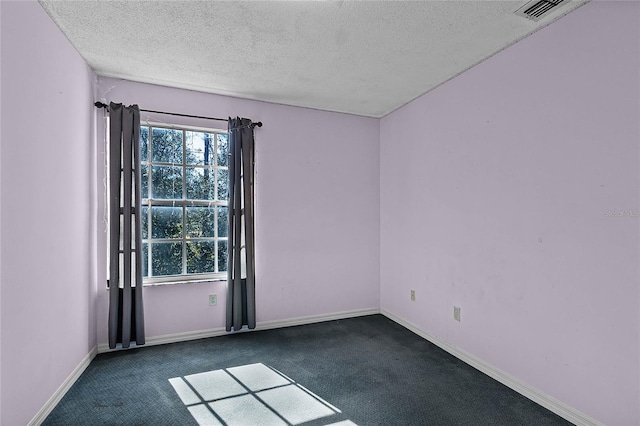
(185, 277)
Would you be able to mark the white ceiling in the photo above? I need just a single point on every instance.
(360, 57)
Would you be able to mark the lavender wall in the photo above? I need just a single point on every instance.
(317, 211)
(46, 181)
(485, 210)
(495, 189)
(0, 220)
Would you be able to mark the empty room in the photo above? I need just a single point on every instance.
(320, 212)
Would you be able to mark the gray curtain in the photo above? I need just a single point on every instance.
(241, 300)
(126, 316)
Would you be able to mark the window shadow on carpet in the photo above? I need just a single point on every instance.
(253, 394)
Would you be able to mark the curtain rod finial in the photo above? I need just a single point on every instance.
(101, 105)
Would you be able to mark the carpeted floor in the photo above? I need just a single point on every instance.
(363, 371)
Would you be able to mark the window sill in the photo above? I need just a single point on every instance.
(179, 282)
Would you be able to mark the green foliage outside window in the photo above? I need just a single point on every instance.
(184, 214)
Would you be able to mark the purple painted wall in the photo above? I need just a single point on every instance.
(0, 219)
(317, 217)
(495, 194)
(46, 322)
(486, 209)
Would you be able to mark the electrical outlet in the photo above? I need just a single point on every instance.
(413, 295)
(456, 313)
(213, 299)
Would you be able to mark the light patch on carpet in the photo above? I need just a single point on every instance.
(183, 390)
(294, 404)
(245, 410)
(215, 385)
(258, 376)
(252, 394)
(204, 416)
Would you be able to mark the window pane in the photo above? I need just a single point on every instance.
(145, 257)
(144, 176)
(144, 143)
(223, 150)
(200, 222)
(166, 145)
(222, 256)
(200, 183)
(223, 177)
(223, 221)
(166, 222)
(201, 257)
(200, 148)
(166, 259)
(166, 182)
(144, 222)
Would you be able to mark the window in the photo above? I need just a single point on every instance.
(184, 203)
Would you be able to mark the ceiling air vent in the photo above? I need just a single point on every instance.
(537, 9)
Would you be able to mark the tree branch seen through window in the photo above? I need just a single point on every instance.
(184, 203)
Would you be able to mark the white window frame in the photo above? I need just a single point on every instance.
(149, 202)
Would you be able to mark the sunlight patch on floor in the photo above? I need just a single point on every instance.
(249, 395)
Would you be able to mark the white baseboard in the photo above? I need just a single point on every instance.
(265, 325)
(168, 338)
(63, 389)
(550, 403)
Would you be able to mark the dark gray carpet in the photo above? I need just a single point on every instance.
(375, 371)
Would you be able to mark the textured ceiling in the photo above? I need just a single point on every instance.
(360, 57)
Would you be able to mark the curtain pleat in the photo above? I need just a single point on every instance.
(241, 246)
(126, 314)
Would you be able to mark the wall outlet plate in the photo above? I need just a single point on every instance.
(413, 295)
(213, 299)
(456, 313)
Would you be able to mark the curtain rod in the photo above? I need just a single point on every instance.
(105, 106)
